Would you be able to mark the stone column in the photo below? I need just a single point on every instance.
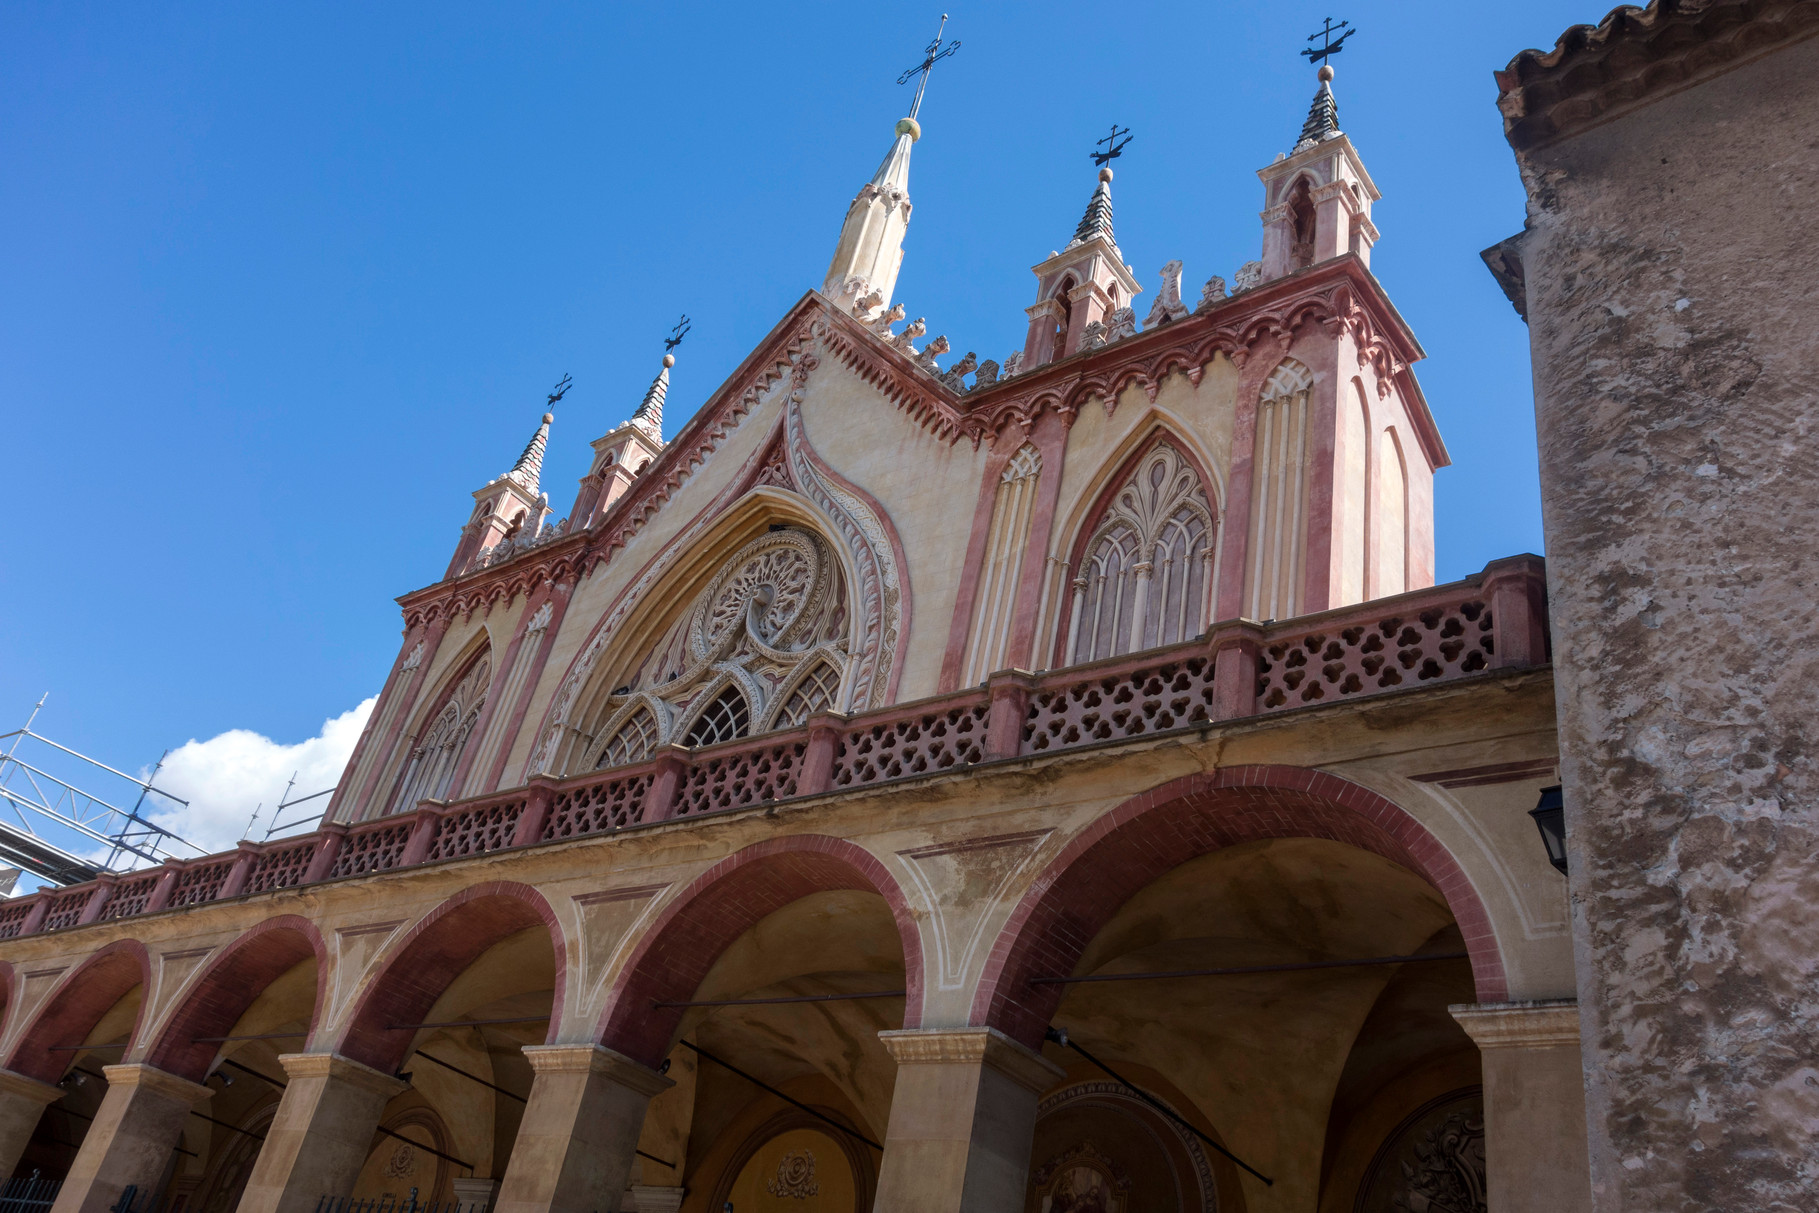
(963, 1121)
(135, 1130)
(575, 1143)
(22, 1104)
(1534, 1105)
(321, 1135)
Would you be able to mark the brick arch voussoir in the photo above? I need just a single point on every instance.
(721, 904)
(1152, 833)
(416, 970)
(230, 984)
(77, 1005)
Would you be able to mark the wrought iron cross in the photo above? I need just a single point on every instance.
(1114, 147)
(678, 333)
(561, 389)
(930, 54)
(1329, 45)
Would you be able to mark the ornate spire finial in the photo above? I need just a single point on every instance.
(930, 54)
(1323, 116)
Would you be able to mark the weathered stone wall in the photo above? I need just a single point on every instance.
(1670, 286)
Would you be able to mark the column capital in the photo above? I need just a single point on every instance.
(974, 1046)
(597, 1059)
(337, 1068)
(1542, 1024)
(29, 1088)
(158, 1082)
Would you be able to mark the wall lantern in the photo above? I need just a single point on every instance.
(1550, 818)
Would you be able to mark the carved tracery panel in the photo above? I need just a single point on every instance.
(764, 646)
(1144, 575)
(436, 752)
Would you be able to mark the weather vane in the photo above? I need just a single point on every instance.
(1113, 145)
(561, 389)
(930, 54)
(678, 333)
(1329, 45)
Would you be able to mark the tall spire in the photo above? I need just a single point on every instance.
(1322, 116)
(1098, 218)
(649, 417)
(529, 468)
(863, 272)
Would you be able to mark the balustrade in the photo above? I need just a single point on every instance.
(1495, 620)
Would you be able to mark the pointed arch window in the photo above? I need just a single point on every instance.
(815, 693)
(1145, 575)
(632, 742)
(437, 754)
(726, 718)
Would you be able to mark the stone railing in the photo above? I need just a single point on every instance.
(1493, 621)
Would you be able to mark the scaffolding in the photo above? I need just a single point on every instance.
(65, 835)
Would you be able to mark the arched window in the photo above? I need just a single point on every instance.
(726, 718)
(1144, 576)
(632, 742)
(815, 693)
(1064, 321)
(437, 752)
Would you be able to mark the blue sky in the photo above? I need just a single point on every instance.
(283, 284)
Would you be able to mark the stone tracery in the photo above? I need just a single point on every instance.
(763, 646)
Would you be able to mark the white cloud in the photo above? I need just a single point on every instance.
(224, 777)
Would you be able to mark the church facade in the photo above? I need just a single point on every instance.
(920, 782)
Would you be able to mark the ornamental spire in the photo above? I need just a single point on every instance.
(1098, 218)
(529, 468)
(649, 416)
(1323, 116)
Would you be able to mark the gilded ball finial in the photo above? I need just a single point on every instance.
(548, 417)
(1105, 174)
(1326, 73)
(669, 360)
(910, 127)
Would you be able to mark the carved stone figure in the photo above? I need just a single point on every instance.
(1092, 336)
(955, 378)
(1447, 1174)
(986, 375)
(1168, 305)
(915, 329)
(882, 325)
(1212, 294)
(926, 359)
(866, 302)
(1121, 324)
(1013, 365)
(1249, 275)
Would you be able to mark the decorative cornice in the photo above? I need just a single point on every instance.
(1596, 71)
(597, 1059)
(974, 1047)
(1548, 1024)
(333, 1066)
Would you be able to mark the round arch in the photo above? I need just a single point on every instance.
(77, 1005)
(1159, 830)
(229, 985)
(720, 905)
(414, 974)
